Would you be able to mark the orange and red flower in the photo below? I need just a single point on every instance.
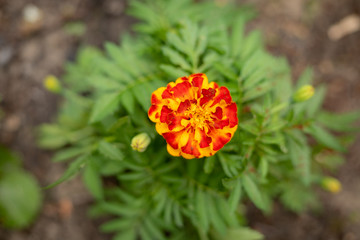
(196, 118)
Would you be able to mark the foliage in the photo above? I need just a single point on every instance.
(20, 197)
(152, 195)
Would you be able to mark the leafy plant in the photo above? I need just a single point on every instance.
(153, 195)
(20, 196)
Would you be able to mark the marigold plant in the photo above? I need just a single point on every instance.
(217, 98)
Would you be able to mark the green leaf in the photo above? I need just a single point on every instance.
(128, 234)
(300, 155)
(253, 192)
(215, 216)
(324, 137)
(71, 171)
(173, 72)
(176, 58)
(142, 93)
(111, 151)
(120, 224)
(20, 199)
(177, 215)
(209, 164)
(104, 106)
(237, 35)
(339, 121)
(264, 167)
(201, 210)
(314, 104)
(243, 233)
(235, 196)
(92, 180)
(127, 100)
(69, 153)
(153, 229)
(226, 71)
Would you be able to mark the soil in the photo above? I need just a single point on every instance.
(296, 29)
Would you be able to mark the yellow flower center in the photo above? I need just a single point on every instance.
(198, 116)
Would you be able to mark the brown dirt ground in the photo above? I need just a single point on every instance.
(296, 29)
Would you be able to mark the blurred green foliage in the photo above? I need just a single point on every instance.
(153, 195)
(20, 196)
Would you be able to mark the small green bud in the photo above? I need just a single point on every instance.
(140, 142)
(304, 93)
(331, 184)
(52, 84)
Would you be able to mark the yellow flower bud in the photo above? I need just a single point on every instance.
(52, 84)
(304, 93)
(140, 142)
(331, 184)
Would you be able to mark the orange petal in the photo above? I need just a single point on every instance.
(231, 113)
(172, 138)
(191, 147)
(219, 138)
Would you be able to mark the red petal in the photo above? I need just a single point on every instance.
(231, 113)
(218, 113)
(152, 109)
(220, 124)
(223, 94)
(165, 111)
(183, 106)
(219, 139)
(172, 138)
(204, 139)
(181, 90)
(208, 94)
(166, 94)
(191, 146)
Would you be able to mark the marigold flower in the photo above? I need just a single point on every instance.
(140, 142)
(196, 118)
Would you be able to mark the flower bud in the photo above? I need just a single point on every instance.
(304, 93)
(331, 184)
(52, 84)
(140, 142)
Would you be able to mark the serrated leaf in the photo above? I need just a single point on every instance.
(176, 58)
(235, 195)
(111, 151)
(153, 230)
(201, 210)
(92, 180)
(120, 224)
(215, 216)
(209, 164)
(104, 106)
(226, 71)
(339, 121)
(253, 191)
(69, 153)
(128, 234)
(324, 137)
(243, 233)
(300, 155)
(237, 35)
(142, 93)
(173, 72)
(314, 104)
(128, 101)
(71, 171)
